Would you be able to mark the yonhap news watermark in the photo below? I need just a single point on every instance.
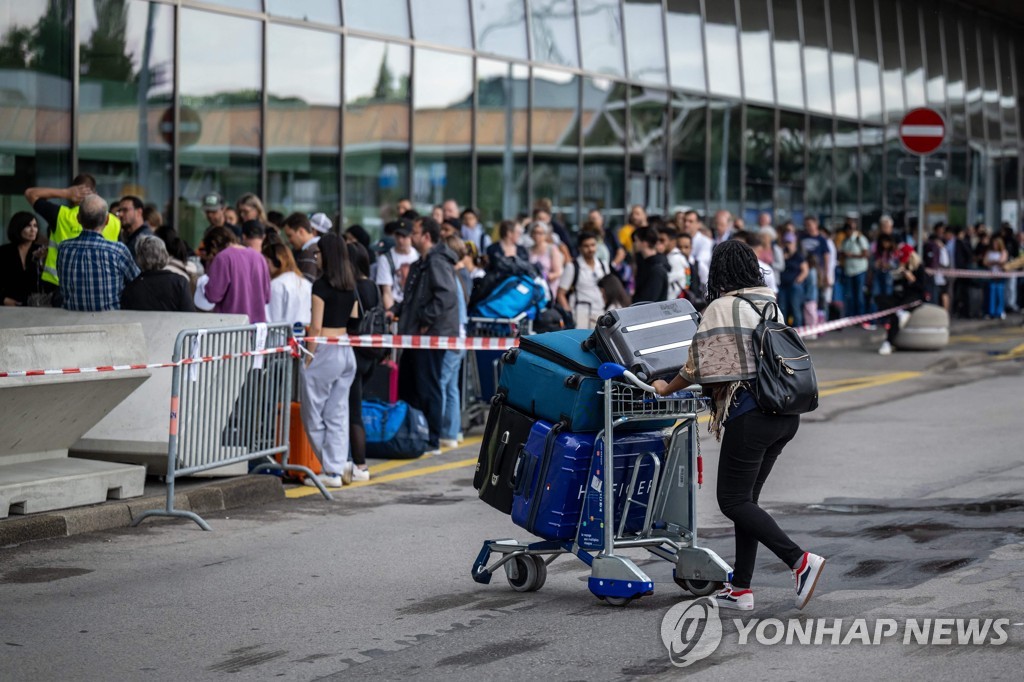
(692, 631)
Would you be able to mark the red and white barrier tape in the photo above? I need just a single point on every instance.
(972, 274)
(814, 329)
(417, 342)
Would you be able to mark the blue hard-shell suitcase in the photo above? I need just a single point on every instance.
(556, 468)
(552, 377)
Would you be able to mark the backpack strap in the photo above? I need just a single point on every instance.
(762, 312)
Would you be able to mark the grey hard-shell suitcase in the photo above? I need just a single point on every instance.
(652, 340)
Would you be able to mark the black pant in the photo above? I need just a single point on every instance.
(356, 428)
(419, 384)
(750, 446)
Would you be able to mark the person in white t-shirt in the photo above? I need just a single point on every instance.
(702, 245)
(393, 267)
(577, 288)
(677, 263)
(290, 292)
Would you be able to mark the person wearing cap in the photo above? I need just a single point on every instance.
(303, 235)
(394, 263)
(213, 208)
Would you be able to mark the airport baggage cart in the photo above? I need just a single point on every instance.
(669, 528)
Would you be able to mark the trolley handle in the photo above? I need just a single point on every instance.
(611, 370)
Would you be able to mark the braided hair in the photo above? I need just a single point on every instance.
(733, 266)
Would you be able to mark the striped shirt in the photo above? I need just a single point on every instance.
(93, 271)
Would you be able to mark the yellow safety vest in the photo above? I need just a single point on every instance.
(68, 227)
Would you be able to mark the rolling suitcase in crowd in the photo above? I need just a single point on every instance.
(556, 468)
(504, 436)
(383, 384)
(553, 377)
(652, 340)
(394, 430)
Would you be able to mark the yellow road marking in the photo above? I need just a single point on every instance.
(1012, 354)
(304, 491)
(870, 379)
(871, 382)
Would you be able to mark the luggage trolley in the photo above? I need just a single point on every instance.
(669, 528)
(480, 368)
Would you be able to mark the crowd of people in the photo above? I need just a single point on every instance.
(425, 272)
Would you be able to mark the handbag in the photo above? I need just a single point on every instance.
(786, 383)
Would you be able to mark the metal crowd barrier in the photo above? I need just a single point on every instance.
(232, 410)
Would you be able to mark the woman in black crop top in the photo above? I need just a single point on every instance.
(366, 360)
(327, 376)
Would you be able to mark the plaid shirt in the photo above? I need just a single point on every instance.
(93, 272)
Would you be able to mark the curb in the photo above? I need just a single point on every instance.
(245, 491)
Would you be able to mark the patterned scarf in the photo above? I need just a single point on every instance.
(722, 353)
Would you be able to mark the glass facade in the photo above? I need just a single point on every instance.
(345, 106)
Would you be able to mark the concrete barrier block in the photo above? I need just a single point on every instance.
(101, 517)
(30, 487)
(251, 490)
(206, 499)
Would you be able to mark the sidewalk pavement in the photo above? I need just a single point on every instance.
(250, 491)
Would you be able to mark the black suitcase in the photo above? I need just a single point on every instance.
(652, 340)
(504, 436)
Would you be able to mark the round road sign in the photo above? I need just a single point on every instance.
(922, 131)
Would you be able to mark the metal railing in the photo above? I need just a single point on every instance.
(233, 409)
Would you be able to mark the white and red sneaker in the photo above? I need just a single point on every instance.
(735, 598)
(806, 575)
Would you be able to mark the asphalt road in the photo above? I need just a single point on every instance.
(909, 478)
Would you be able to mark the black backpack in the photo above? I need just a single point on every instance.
(372, 320)
(786, 383)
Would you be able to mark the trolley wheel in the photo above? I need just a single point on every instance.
(529, 576)
(698, 588)
(616, 601)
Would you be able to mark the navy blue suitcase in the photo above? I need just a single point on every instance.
(556, 468)
(552, 377)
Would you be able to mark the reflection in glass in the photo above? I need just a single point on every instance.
(913, 54)
(554, 32)
(376, 128)
(501, 142)
(724, 159)
(302, 119)
(685, 44)
(648, 148)
(819, 81)
(872, 164)
(759, 141)
(936, 79)
(604, 124)
(844, 66)
(1007, 92)
(689, 135)
(126, 58)
(601, 37)
(500, 27)
(868, 71)
(253, 5)
(847, 155)
(756, 43)
(645, 41)
(390, 17)
(820, 167)
(35, 107)
(220, 82)
(991, 85)
(956, 138)
(442, 128)
(555, 138)
(789, 80)
(445, 22)
(324, 11)
(975, 91)
(789, 191)
(722, 57)
(892, 75)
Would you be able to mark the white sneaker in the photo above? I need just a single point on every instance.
(885, 349)
(902, 316)
(449, 443)
(460, 437)
(732, 598)
(360, 474)
(327, 480)
(346, 473)
(435, 451)
(806, 576)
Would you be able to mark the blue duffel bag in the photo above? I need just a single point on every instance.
(394, 430)
(513, 296)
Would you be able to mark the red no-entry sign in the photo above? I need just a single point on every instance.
(922, 131)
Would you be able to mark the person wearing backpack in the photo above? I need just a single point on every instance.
(722, 360)
(577, 288)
